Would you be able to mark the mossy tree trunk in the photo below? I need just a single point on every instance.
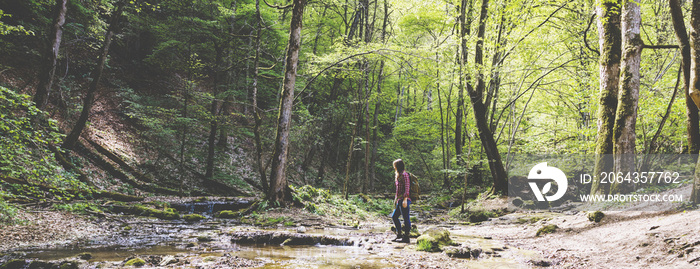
(624, 135)
(279, 189)
(610, 49)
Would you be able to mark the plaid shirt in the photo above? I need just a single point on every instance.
(402, 187)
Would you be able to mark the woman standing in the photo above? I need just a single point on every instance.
(402, 202)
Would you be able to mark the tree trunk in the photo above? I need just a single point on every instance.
(498, 172)
(278, 181)
(610, 49)
(49, 66)
(464, 30)
(624, 136)
(72, 137)
(214, 112)
(211, 140)
(348, 163)
(256, 110)
(368, 155)
(693, 125)
(694, 89)
(399, 98)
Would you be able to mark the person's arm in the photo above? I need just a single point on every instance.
(396, 195)
(407, 187)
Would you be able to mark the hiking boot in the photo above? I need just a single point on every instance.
(399, 237)
(406, 238)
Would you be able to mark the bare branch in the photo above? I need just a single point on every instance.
(276, 6)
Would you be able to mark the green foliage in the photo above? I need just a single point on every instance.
(25, 133)
(79, 207)
(259, 220)
(9, 29)
(7, 212)
(424, 245)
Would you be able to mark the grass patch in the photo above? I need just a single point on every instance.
(424, 245)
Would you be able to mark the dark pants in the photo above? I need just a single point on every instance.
(400, 210)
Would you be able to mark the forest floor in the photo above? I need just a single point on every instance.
(622, 239)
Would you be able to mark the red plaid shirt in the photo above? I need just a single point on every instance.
(402, 186)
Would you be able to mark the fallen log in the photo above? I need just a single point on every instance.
(119, 161)
(118, 173)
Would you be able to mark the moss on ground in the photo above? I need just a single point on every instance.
(548, 229)
(193, 217)
(137, 262)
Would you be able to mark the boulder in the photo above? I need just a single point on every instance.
(460, 252)
(167, 260)
(434, 239)
(595, 216)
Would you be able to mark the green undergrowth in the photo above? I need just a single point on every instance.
(349, 211)
(7, 212)
(25, 135)
(79, 207)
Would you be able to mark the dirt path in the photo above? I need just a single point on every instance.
(620, 240)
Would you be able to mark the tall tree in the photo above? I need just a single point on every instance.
(279, 189)
(256, 111)
(624, 135)
(89, 99)
(692, 118)
(694, 89)
(610, 43)
(476, 95)
(49, 65)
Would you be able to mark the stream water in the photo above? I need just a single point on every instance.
(208, 239)
(202, 244)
